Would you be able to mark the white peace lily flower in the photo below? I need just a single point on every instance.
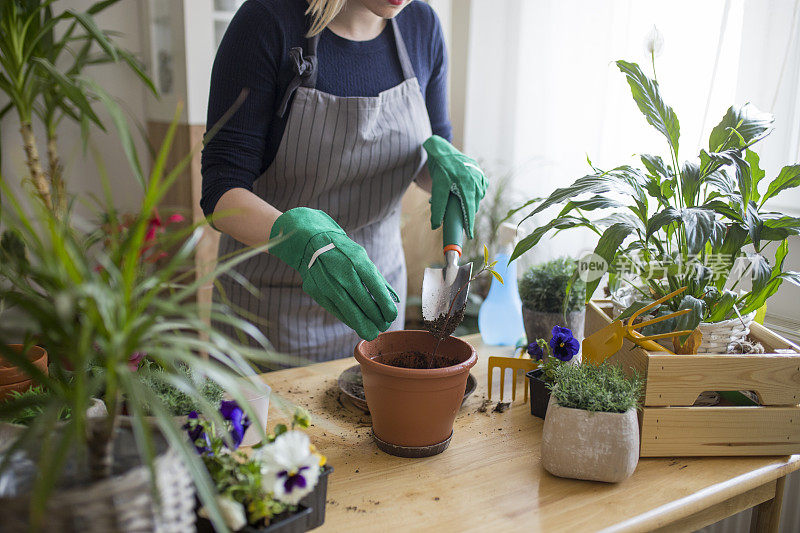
(232, 512)
(654, 42)
(289, 469)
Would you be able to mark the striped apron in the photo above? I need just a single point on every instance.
(353, 158)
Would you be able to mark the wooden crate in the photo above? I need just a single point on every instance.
(670, 424)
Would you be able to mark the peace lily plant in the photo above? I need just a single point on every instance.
(702, 223)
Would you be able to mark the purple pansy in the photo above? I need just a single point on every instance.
(196, 433)
(563, 345)
(234, 414)
(535, 351)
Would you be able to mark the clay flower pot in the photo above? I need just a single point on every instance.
(413, 409)
(590, 445)
(13, 378)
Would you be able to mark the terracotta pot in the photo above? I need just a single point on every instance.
(414, 407)
(585, 445)
(13, 378)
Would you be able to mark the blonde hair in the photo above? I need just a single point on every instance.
(322, 13)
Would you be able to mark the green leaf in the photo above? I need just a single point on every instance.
(623, 180)
(535, 236)
(756, 298)
(591, 204)
(497, 276)
(607, 246)
(655, 166)
(690, 182)
(689, 321)
(760, 271)
(698, 224)
(754, 224)
(123, 131)
(778, 226)
(720, 309)
(646, 94)
(747, 121)
(87, 21)
(756, 173)
(788, 178)
(661, 219)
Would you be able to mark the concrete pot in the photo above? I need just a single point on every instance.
(539, 325)
(585, 445)
(414, 407)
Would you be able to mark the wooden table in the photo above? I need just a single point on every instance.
(491, 478)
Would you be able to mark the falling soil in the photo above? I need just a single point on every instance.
(444, 326)
(416, 360)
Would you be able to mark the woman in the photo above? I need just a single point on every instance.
(340, 97)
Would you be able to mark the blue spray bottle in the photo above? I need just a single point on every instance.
(500, 315)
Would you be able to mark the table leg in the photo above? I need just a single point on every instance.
(767, 515)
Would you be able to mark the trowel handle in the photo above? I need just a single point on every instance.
(453, 225)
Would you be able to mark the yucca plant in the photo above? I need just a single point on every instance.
(87, 295)
(44, 58)
(692, 224)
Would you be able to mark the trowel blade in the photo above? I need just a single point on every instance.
(440, 286)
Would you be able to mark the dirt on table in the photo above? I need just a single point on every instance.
(416, 360)
(444, 325)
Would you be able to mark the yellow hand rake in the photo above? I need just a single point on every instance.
(604, 343)
(514, 364)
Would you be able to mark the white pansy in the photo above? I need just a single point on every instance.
(232, 512)
(654, 42)
(289, 469)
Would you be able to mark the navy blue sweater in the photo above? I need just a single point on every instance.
(254, 55)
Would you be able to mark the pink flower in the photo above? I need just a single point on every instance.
(135, 360)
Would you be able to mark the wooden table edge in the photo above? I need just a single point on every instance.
(715, 495)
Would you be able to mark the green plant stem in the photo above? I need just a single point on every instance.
(56, 176)
(34, 164)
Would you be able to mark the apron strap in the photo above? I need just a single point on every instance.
(305, 66)
(402, 53)
(305, 71)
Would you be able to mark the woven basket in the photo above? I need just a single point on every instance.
(720, 337)
(121, 504)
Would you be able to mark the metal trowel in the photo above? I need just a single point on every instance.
(441, 286)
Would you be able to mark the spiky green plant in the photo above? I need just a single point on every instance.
(601, 388)
(87, 296)
(44, 56)
(546, 287)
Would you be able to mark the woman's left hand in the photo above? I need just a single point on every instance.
(452, 171)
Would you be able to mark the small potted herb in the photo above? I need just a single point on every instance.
(280, 487)
(562, 348)
(591, 430)
(548, 299)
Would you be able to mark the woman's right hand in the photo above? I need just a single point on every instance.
(336, 271)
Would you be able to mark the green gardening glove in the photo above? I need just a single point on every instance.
(336, 272)
(453, 172)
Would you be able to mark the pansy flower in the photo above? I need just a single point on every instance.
(563, 345)
(197, 434)
(289, 469)
(535, 351)
(237, 418)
